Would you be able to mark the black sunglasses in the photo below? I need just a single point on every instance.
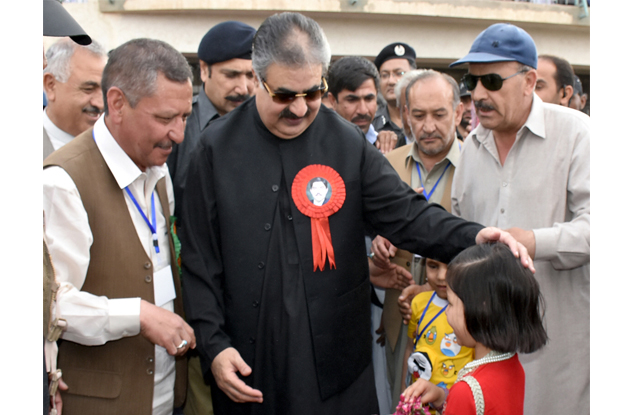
(490, 81)
(287, 97)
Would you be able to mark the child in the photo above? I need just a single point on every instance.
(436, 355)
(494, 306)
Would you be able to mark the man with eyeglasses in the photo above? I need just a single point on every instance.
(393, 62)
(277, 288)
(526, 168)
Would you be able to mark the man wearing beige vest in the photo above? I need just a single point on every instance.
(107, 200)
(434, 111)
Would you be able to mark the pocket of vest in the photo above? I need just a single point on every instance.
(97, 384)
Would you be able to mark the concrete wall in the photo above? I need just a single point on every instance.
(440, 31)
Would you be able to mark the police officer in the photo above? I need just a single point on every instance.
(392, 62)
(225, 54)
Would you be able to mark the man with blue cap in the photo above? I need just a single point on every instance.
(526, 168)
(225, 54)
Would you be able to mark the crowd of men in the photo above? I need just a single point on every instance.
(208, 254)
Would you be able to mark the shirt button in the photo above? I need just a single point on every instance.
(267, 226)
(150, 372)
(150, 360)
(505, 184)
(261, 265)
(252, 340)
(255, 304)
(289, 217)
(503, 210)
(147, 265)
(148, 279)
(275, 187)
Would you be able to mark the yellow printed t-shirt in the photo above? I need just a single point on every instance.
(437, 345)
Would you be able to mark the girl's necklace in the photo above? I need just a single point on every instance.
(491, 357)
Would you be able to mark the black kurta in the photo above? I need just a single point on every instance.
(247, 259)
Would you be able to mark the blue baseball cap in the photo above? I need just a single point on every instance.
(502, 42)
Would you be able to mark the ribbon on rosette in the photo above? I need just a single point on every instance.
(318, 192)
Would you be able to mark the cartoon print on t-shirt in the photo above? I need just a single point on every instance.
(449, 345)
(448, 369)
(430, 336)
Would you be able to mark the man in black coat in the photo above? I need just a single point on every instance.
(275, 287)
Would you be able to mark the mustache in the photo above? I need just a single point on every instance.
(286, 113)
(237, 98)
(483, 105)
(361, 117)
(92, 110)
(426, 136)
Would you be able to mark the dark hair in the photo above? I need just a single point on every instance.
(289, 39)
(503, 306)
(319, 179)
(564, 71)
(349, 73)
(134, 67)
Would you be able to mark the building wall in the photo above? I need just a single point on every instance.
(441, 31)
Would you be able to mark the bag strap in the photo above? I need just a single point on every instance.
(476, 389)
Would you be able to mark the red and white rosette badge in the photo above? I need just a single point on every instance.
(318, 192)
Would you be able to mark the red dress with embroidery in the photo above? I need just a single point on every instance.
(503, 387)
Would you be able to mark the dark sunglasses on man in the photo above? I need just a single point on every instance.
(491, 81)
(288, 97)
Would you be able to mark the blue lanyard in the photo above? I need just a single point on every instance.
(423, 315)
(145, 218)
(425, 193)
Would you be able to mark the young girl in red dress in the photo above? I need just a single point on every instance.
(495, 307)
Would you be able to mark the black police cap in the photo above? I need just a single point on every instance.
(225, 41)
(395, 50)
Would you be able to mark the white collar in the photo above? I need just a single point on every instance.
(372, 134)
(438, 301)
(57, 136)
(121, 165)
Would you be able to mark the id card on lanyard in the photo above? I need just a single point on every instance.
(164, 290)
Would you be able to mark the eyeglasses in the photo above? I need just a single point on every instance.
(386, 75)
(490, 81)
(288, 97)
